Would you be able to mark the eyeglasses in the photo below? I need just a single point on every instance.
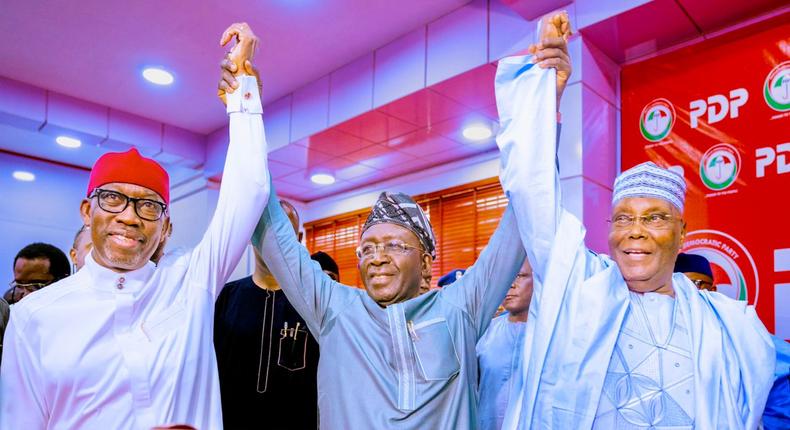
(701, 283)
(656, 221)
(30, 287)
(115, 202)
(368, 250)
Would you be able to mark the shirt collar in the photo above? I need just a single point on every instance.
(108, 280)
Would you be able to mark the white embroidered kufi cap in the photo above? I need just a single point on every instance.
(649, 180)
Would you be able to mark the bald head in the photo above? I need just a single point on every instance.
(292, 214)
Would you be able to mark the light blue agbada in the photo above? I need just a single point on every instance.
(581, 298)
(411, 365)
(498, 352)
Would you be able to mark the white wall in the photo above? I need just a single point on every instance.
(191, 211)
(45, 210)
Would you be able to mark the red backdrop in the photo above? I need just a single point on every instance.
(720, 112)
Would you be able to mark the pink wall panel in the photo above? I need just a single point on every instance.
(351, 90)
(216, 149)
(509, 32)
(600, 73)
(182, 147)
(22, 105)
(599, 128)
(125, 130)
(570, 149)
(73, 116)
(457, 42)
(310, 109)
(400, 67)
(277, 122)
(597, 209)
(589, 12)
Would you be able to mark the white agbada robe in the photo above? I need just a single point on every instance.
(581, 298)
(107, 350)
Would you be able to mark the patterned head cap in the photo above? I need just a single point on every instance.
(402, 210)
(649, 180)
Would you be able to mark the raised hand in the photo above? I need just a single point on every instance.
(238, 61)
(552, 49)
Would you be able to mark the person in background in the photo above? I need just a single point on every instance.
(777, 407)
(5, 312)
(697, 268)
(328, 265)
(80, 248)
(499, 351)
(160, 250)
(450, 277)
(36, 266)
(266, 357)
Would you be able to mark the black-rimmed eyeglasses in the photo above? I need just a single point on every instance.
(115, 202)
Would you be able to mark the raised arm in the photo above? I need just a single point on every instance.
(483, 287)
(527, 91)
(245, 180)
(307, 287)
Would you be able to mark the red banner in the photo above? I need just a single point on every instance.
(719, 112)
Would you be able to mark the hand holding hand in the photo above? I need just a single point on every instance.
(238, 61)
(552, 50)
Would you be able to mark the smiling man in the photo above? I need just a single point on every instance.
(618, 342)
(499, 351)
(123, 343)
(392, 358)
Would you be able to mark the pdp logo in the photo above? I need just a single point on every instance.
(776, 90)
(734, 272)
(657, 119)
(719, 166)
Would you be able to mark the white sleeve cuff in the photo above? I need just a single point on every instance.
(246, 97)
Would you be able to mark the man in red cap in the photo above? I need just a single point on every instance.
(125, 343)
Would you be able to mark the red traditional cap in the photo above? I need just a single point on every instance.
(131, 168)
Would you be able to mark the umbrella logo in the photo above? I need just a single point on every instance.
(734, 271)
(719, 166)
(657, 119)
(776, 89)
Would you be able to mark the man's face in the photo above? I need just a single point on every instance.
(391, 277)
(646, 256)
(701, 280)
(81, 248)
(33, 271)
(123, 241)
(520, 293)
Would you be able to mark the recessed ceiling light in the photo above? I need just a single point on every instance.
(322, 179)
(21, 175)
(477, 132)
(68, 142)
(158, 76)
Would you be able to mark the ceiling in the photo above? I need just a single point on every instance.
(413, 133)
(662, 24)
(95, 49)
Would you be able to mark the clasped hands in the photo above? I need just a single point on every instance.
(238, 61)
(552, 49)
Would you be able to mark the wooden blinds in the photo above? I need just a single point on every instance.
(463, 219)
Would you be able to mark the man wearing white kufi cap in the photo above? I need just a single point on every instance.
(619, 342)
